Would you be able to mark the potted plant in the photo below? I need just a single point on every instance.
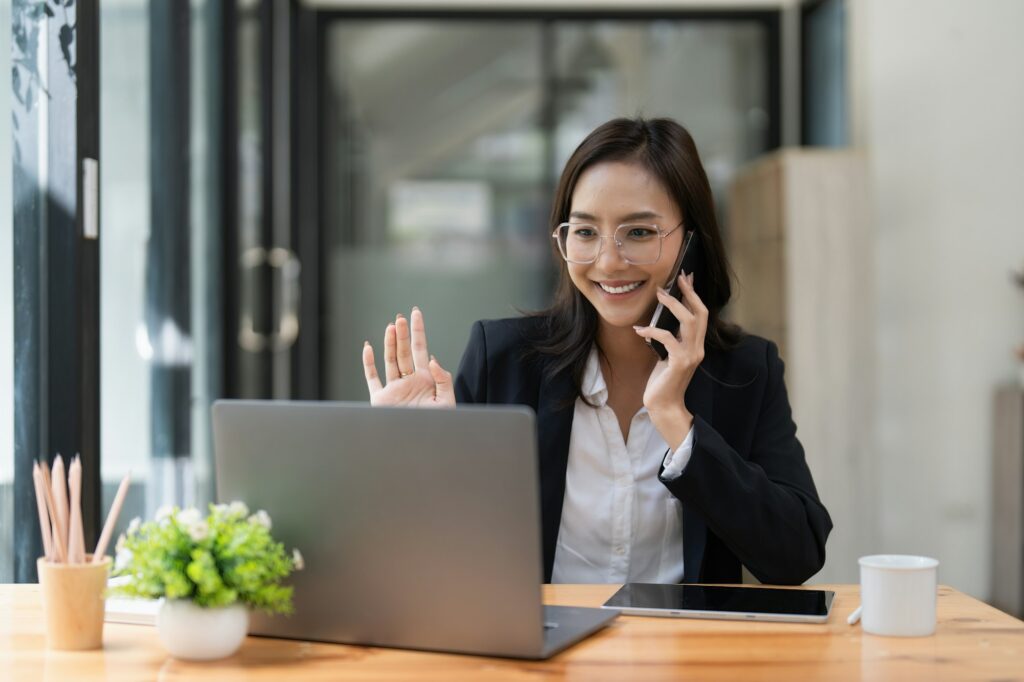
(209, 572)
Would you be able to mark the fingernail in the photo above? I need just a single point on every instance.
(433, 359)
(637, 327)
(689, 278)
(416, 308)
(366, 343)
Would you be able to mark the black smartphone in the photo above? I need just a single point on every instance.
(689, 258)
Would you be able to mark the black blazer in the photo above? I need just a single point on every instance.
(747, 494)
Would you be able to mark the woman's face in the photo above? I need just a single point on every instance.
(607, 195)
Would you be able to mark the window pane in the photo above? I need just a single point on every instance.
(254, 382)
(124, 220)
(205, 189)
(159, 330)
(709, 76)
(434, 186)
(825, 87)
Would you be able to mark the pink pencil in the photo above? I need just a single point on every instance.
(76, 538)
(51, 508)
(45, 468)
(59, 548)
(44, 515)
(108, 527)
(60, 498)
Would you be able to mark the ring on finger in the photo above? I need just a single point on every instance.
(406, 374)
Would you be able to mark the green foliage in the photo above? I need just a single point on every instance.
(225, 558)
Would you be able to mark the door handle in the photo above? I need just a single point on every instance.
(287, 263)
(284, 262)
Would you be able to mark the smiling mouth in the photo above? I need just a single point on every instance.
(621, 289)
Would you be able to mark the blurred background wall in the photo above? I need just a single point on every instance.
(936, 104)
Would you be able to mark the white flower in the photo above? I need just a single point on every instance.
(261, 518)
(120, 543)
(189, 517)
(123, 558)
(198, 531)
(297, 560)
(220, 509)
(133, 526)
(238, 508)
(165, 512)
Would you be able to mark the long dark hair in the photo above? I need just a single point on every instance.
(667, 151)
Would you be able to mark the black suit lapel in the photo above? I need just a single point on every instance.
(699, 401)
(554, 426)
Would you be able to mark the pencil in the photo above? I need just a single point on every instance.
(76, 540)
(60, 498)
(59, 548)
(44, 467)
(44, 516)
(108, 526)
(78, 528)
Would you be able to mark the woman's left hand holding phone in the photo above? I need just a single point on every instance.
(666, 387)
(414, 377)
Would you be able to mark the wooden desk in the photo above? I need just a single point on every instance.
(973, 642)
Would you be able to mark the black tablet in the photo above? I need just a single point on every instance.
(730, 603)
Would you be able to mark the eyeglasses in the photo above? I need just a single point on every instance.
(638, 244)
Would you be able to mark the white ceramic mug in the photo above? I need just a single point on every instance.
(898, 594)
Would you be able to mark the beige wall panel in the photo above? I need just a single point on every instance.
(805, 272)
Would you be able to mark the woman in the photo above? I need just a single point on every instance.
(683, 469)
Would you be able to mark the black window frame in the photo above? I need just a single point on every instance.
(807, 10)
(56, 278)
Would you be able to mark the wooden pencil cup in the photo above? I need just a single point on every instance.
(73, 603)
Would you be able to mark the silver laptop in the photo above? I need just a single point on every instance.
(420, 528)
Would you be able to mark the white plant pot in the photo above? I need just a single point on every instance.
(195, 633)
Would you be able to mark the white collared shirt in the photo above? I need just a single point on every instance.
(619, 522)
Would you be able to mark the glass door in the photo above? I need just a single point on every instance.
(160, 263)
(440, 140)
(433, 182)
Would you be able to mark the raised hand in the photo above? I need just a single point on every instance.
(414, 377)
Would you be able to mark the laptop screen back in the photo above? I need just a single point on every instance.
(419, 527)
